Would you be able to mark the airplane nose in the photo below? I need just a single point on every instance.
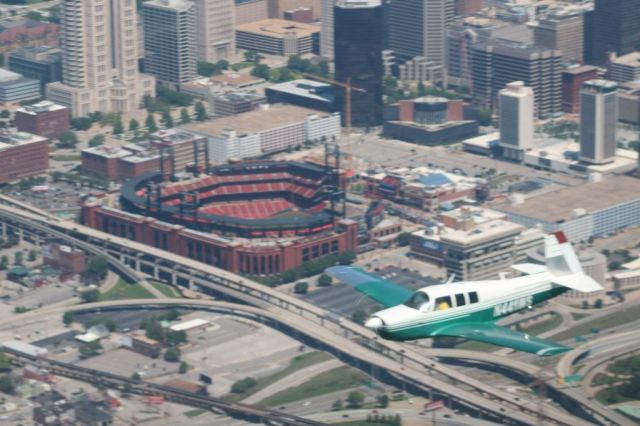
(374, 323)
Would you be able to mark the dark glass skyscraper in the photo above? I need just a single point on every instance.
(615, 28)
(358, 42)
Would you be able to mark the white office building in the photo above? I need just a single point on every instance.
(326, 32)
(516, 119)
(215, 30)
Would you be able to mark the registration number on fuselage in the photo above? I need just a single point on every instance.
(512, 306)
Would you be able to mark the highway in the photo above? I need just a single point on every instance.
(397, 359)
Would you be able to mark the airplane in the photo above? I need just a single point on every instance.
(470, 309)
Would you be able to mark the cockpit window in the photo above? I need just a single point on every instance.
(419, 301)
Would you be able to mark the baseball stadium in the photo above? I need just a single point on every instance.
(249, 199)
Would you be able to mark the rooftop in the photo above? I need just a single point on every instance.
(238, 80)
(581, 69)
(278, 28)
(270, 117)
(44, 106)
(107, 151)
(6, 75)
(593, 196)
(173, 136)
(358, 3)
(178, 5)
(632, 60)
(307, 88)
(11, 139)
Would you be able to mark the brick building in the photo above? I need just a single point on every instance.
(21, 155)
(64, 257)
(44, 119)
(115, 163)
(572, 81)
(243, 255)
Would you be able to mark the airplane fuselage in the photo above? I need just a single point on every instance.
(455, 303)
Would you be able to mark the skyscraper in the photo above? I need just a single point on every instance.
(496, 63)
(418, 28)
(359, 41)
(215, 33)
(170, 41)
(99, 58)
(615, 27)
(326, 33)
(598, 118)
(562, 31)
(516, 119)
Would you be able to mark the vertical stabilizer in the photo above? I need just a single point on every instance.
(564, 266)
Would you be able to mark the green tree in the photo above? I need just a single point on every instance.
(172, 355)
(485, 117)
(261, 71)
(150, 123)
(5, 113)
(118, 127)
(355, 399)
(252, 56)
(184, 367)
(404, 238)
(324, 280)
(615, 265)
(243, 385)
(134, 125)
(422, 90)
(33, 255)
(81, 123)
(598, 304)
(185, 118)
(223, 64)
(97, 140)
(4, 262)
(5, 362)
(67, 318)
(301, 287)
(98, 265)
(6, 384)
(207, 69)
(1, 59)
(201, 112)
(347, 257)
(67, 139)
(172, 97)
(382, 400)
(136, 376)
(90, 296)
(90, 349)
(35, 15)
(166, 119)
(17, 258)
(337, 405)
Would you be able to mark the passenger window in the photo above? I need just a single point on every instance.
(473, 297)
(460, 299)
(443, 303)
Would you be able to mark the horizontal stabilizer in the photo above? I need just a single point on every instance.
(580, 282)
(530, 268)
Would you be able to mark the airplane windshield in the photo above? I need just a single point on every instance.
(419, 301)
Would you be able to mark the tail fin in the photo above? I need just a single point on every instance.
(564, 266)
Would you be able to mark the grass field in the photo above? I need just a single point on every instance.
(194, 413)
(611, 320)
(124, 290)
(297, 363)
(165, 289)
(340, 378)
(578, 317)
(543, 326)
(241, 65)
(68, 157)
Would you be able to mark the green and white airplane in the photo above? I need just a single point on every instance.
(471, 309)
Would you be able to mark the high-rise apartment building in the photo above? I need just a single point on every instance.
(170, 41)
(615, 28)
(215, 33)
(562, 31)
(516, 120)
(598, 117)
(499, 62)
(418, 28)
(359, 41)
(99, 58)
(326, 33)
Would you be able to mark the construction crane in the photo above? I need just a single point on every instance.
(348, 88)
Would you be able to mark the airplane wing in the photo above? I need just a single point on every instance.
(494, 334)
(382, 291)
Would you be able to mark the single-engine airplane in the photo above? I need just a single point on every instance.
(470, 309)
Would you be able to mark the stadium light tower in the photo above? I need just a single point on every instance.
(348, 88)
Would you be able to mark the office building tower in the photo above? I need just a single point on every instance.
(42, 63)
(598, 118)
(465, 7)
(516, 120)
(326, 33)
(418, 28)
(562, 31)
(499, 62)
(623, 69)
(615, 28)
(99, 58)
(359, 41)
(170, 41)
(215, 33)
